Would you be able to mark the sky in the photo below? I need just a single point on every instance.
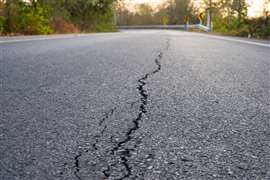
(255, 6)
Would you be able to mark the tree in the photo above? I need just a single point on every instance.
(2, 17)
(240, 7)
(178, 9)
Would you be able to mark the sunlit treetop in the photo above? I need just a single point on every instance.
(255, 7)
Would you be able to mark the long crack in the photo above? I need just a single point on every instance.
(77, 165)
(94, 145)
(125, 153)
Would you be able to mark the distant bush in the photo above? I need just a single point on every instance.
(255, 27)
(259, 27)
(62, 26)
(241, 31)
(105, 23)
(106, 27)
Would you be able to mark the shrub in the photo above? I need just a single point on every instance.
(34, 21)
(45, 17)
(62, 26)
(106, 27)
(2, 24)
(243, 31)
(260, 27)
(23, 18)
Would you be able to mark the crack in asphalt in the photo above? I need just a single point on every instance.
(125, 152)
(101, 122)
(77, 165)
(94, 145)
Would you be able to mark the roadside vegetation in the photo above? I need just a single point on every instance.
(55, 16)
(230, 17)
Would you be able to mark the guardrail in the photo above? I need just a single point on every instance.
(203, 28)
(184, 27)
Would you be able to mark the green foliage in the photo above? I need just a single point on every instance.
(106, 27)
(87, 14)
(145, 14)
(105, 23)
(256, 27)
(68, 16)
(48, 16)
(240, 7)
(180, 9)
(26, 19)
(259, 27)
(12, 14)
(2, 17)
(230, 18)
(2, 23)
(34, 21)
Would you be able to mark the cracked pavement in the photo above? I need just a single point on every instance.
(146, 104)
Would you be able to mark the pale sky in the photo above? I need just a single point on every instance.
(255, 9)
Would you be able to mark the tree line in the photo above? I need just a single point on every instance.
(55, 16)
(69, 16)
(229, 16)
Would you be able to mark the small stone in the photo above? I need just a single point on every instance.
(230, 171)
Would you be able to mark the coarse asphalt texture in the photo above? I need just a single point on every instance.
(137, 104)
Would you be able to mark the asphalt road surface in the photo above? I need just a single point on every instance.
(147, 104)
